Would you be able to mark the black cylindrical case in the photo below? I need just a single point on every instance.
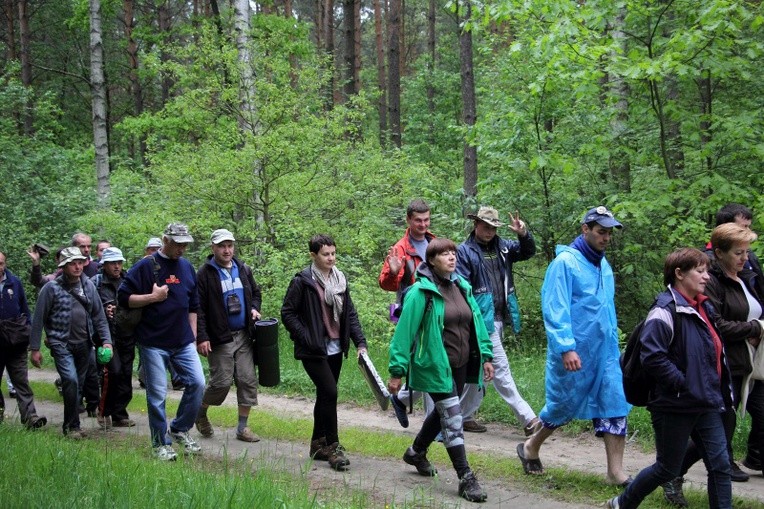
(267, 351)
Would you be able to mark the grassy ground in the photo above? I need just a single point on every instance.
(111, 470)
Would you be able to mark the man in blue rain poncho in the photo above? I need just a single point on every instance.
(583, 374)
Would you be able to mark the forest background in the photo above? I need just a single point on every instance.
(284, 119)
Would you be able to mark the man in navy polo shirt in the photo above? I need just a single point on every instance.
(164, 286)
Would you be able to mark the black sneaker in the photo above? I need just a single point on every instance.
(672, 490)
(400, 411)
(12, 393)
(420, 461)
(470, 490)
(736, 474)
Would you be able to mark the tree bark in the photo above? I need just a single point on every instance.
(619, 163)
(10, 30)
(136, 88)
(26, 65)
(382, 101)
(469, 104)
(431, 41)
(328, 18)
(248, 117)
(100, 106)
(393, 73)
(706, 111)
(164, 57)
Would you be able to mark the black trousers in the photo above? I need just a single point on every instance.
(325, 374)
(117, 386)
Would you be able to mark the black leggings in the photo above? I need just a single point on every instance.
(325, 373)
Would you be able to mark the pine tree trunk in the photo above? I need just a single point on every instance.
(431, 41)
(136, 88)
(382, 102)
(10, 30)
(26, 64)
(100, 106)
(394, 76)
(469, 106)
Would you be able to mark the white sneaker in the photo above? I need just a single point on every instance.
(165, 453)
(189, 444)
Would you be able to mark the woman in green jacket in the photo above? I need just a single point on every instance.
(441, 343)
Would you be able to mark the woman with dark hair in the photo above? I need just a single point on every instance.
(682, 349)
(321, 320)
(441, 343)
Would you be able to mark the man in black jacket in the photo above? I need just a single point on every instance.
(229, 303)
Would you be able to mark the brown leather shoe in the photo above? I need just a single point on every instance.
(473, 427)
(123, 423)
(246, 435)
(319, 450)
(337, 459)
(204, 426)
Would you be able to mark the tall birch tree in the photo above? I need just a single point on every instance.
(100, 106)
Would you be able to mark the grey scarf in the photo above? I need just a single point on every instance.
(334, 286)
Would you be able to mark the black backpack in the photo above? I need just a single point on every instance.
(637, 383)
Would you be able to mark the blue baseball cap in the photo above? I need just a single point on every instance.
(602, 216)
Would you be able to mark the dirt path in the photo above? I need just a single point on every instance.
(386, 479)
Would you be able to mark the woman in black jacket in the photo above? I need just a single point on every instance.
(732, 290)
(321, 320)
(682, 350)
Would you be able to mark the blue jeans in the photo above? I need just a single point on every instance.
(72, 363)
(672, 430)
(186, 363)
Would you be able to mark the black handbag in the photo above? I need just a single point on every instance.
(15, 331)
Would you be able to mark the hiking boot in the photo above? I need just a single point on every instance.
(319, 450)
(473, 426)
(737, 475)
(672, 490)
(104, 421)
(420, 461)
(189, 444)
(204, 426)
(123, 423)
(12, 393)
(75, 434)
(337, 459)
(165, 453)
(613, 503)
(36, 422)
(246, 435)
(533, 426)
(470, 490)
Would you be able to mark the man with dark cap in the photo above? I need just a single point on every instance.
(166, 335)
(583, 372)
(71, 313)
(486, 260)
